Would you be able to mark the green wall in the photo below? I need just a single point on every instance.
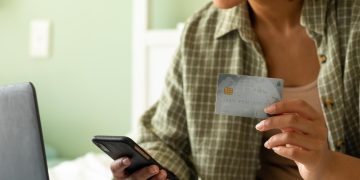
(167, 13)
(84, 87)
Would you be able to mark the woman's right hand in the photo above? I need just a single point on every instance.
(150, 172)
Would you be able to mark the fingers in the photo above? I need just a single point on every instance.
(161, 176)
(293, 106)
(146, 172)
(294, 153)
(304, 133)
(295, 139)
(287, 121)
(118, 167)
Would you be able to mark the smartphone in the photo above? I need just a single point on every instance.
(122, 146)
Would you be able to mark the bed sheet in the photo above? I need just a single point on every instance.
(91, 166)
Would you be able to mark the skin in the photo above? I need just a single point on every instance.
(303, 136)
(282, 38)
(225, 4)
(151, 172)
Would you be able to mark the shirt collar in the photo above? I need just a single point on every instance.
(313, 16)
(236, 18)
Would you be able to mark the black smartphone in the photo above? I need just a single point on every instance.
(122, 146)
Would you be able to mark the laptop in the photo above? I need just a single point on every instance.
(22, 154)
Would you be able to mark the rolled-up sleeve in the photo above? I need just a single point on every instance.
(163, 128)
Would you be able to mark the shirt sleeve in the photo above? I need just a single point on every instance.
(163, 128)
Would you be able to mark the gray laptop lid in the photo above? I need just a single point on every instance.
(21, 144)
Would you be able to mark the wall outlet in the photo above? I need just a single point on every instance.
(39, 38)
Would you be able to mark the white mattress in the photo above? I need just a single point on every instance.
(90, 167)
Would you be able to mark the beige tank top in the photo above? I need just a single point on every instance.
(273, 166)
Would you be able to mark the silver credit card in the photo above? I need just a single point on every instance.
(246, 96)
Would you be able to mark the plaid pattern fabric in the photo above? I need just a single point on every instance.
(181, 130)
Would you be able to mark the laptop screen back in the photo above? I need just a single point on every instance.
(21, 145)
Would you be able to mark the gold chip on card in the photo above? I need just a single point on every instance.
(228, 91)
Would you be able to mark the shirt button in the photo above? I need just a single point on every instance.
(328, 103)
(322, 59)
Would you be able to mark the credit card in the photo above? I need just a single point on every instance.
(246, 96)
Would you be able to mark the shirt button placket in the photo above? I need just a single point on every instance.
(328, 103)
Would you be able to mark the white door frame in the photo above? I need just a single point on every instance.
(144, 43)
(139, 29)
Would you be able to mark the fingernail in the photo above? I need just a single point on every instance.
(126, 161)
(260, 125)
(270, 109)
(162, 174)
(119, 162)
(267, 144)
(276, 149)
(154, 170)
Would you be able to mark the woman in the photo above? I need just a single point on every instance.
(314, 45)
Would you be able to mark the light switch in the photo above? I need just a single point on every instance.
(39, 38)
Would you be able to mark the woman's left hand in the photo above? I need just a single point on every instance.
(303, 136)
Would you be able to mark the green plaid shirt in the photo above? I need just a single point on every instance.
(181, 130)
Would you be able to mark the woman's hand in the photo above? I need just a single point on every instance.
(303, 136)
(150, 172)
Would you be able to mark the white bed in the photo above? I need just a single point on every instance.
(90, 167)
